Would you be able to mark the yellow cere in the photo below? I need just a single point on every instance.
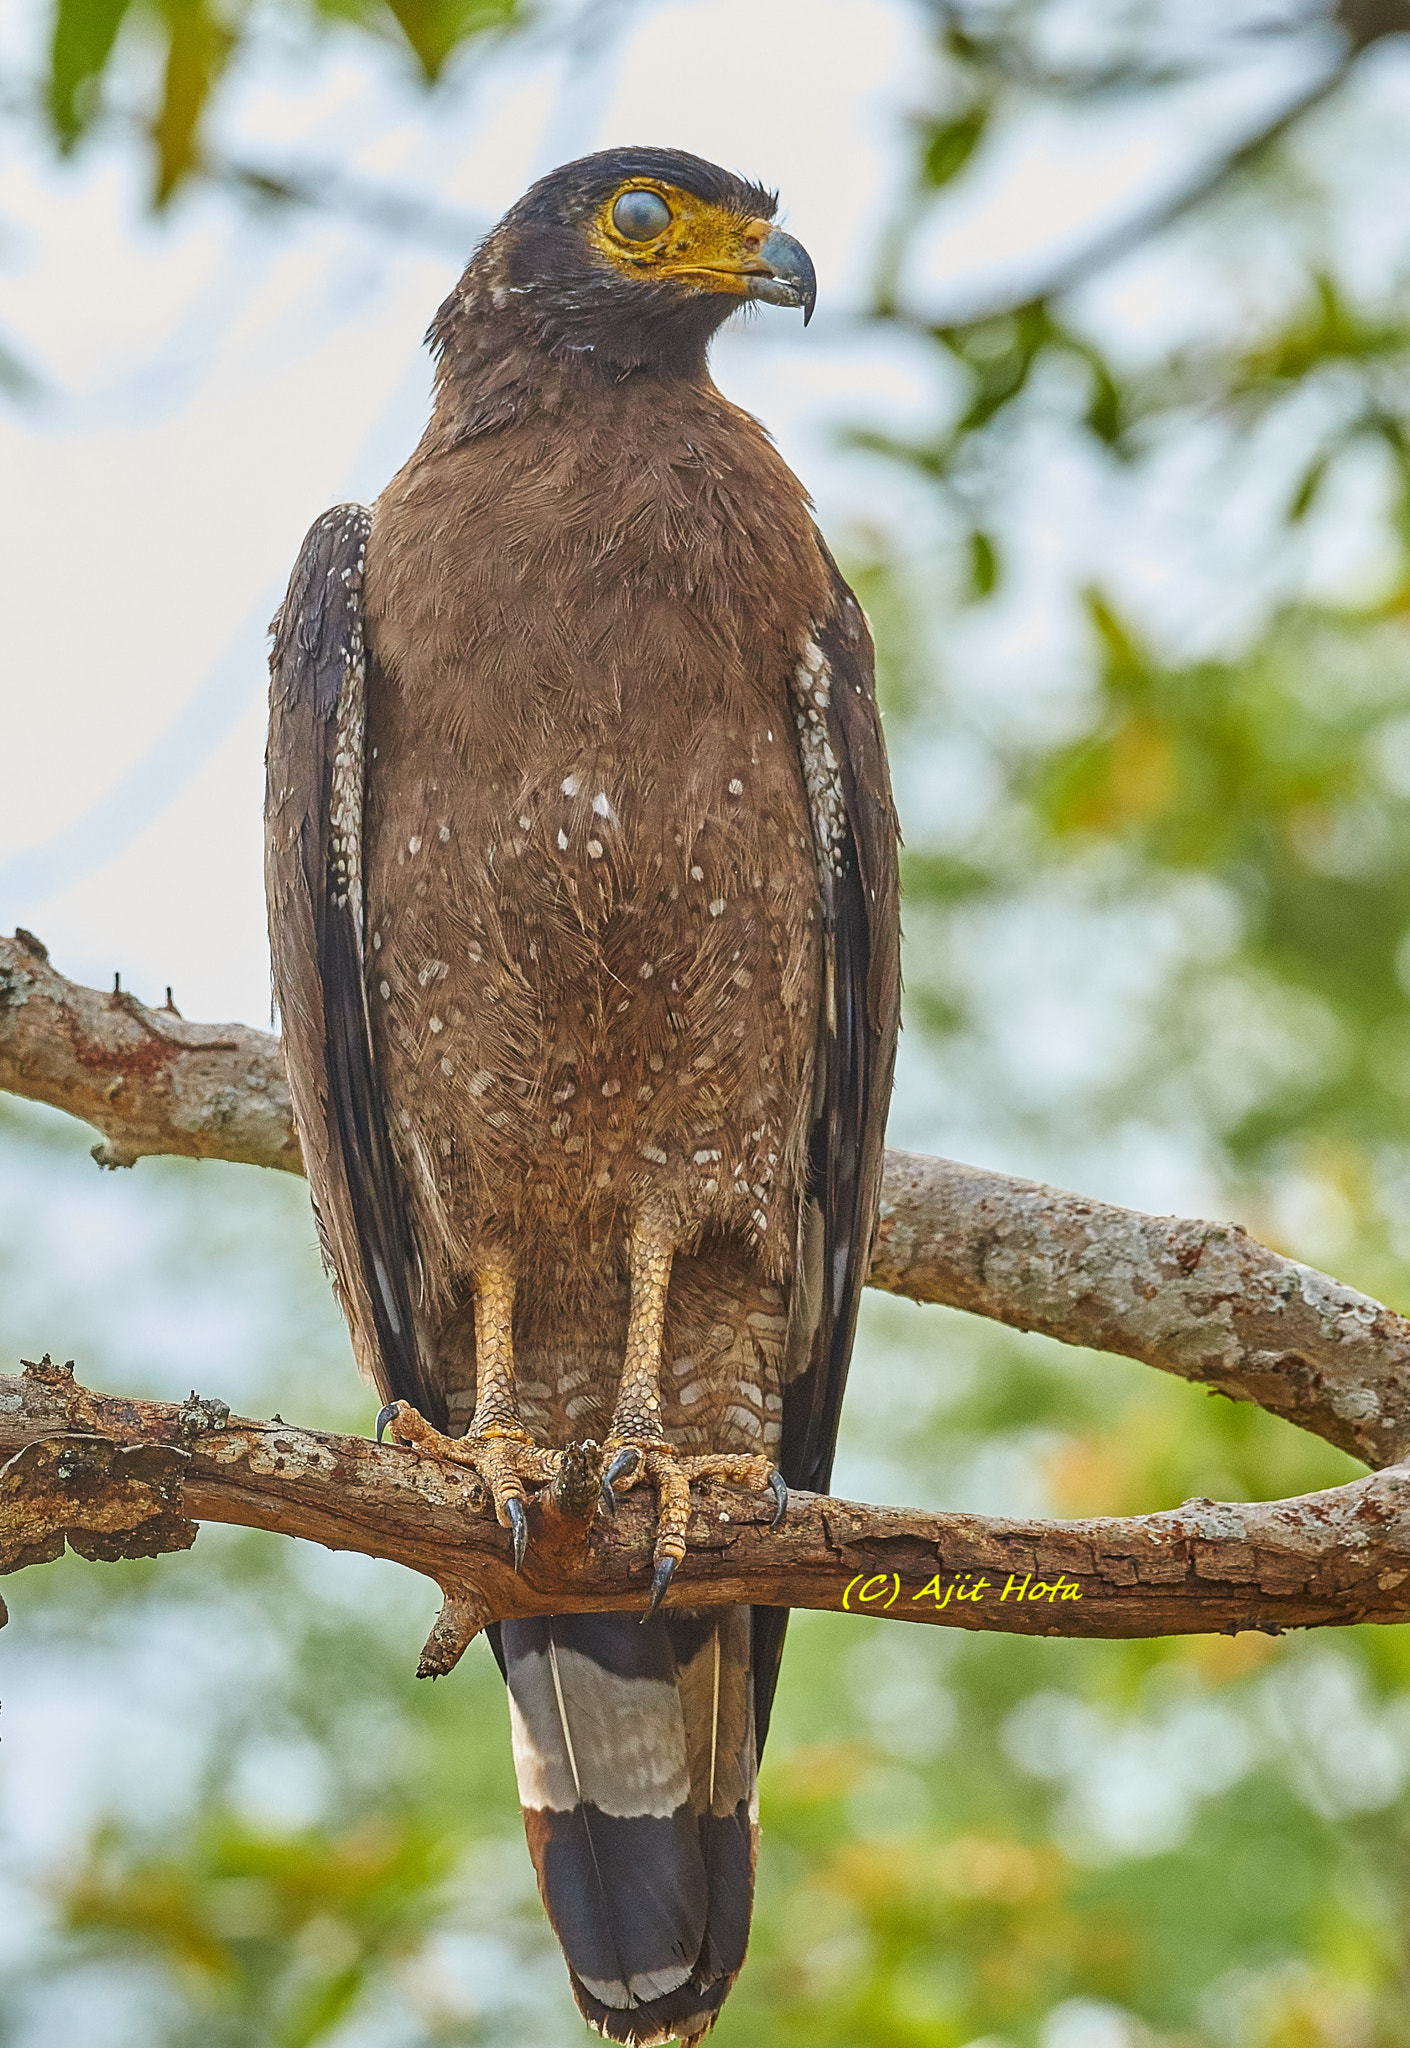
(701, 244)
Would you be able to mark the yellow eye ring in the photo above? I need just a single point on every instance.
(640, 215)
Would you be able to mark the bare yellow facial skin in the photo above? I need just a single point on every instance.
(702, 244)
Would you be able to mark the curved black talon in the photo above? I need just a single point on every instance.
(519, 1523)
(384, 1416)
(626, 1460)
(778, 1487)
(664, 1573)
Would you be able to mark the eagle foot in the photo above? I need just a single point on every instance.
(671, 1472)
(503, 1458)
(746, 1470)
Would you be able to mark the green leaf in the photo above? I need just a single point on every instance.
(1104, 409)
(965, 49)
(435, 29)
(202, 36)
(318, 2007)
(198, 52)
(983, 563)
(1126, 668)
(1307, 490)
(952, 144)
(82, 43)
(999, 355)
(942, 877)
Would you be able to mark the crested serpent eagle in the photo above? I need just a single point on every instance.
(581, 859)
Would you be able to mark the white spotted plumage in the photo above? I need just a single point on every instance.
(349, 749)
(822, 776)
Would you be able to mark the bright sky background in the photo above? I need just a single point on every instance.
(219, 379)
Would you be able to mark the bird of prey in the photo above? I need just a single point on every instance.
(581, 860)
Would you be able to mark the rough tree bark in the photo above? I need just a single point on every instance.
(1203, 1300)
(148, 1080)
(122, 1478)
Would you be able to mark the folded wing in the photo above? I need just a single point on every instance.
(314, 794)
(855, 839)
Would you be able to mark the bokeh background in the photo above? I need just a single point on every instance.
(1106, 409)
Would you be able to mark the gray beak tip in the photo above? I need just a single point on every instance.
(793, 281)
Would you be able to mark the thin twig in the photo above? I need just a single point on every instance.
(1108, 245)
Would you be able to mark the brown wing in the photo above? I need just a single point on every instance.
(856, 838)
(313, 880)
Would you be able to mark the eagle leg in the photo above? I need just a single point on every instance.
(636, 1420)
(496, 1447)
(637, 1425)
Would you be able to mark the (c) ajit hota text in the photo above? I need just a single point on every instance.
(883, 1589)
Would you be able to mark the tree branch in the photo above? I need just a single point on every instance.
(129, 1478)
(148, 1080)
(1362, 22)
(1067, 270)
(321, 190)
(1202, 1300)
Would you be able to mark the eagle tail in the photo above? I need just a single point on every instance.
(634, 1749)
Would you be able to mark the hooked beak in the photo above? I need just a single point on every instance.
(791, 279)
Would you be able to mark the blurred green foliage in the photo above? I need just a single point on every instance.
(186, 47)
(277, 1936)
(1279, 774)
(1191, 1843)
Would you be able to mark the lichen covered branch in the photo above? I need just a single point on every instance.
(147, 1079)
(122, 1478)
(1203, 1300)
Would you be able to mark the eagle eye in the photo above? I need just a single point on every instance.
(640, 215)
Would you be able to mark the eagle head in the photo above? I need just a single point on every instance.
(630, 259)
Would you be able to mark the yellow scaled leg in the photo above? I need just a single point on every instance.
(636, 1446)
(496, 1447)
